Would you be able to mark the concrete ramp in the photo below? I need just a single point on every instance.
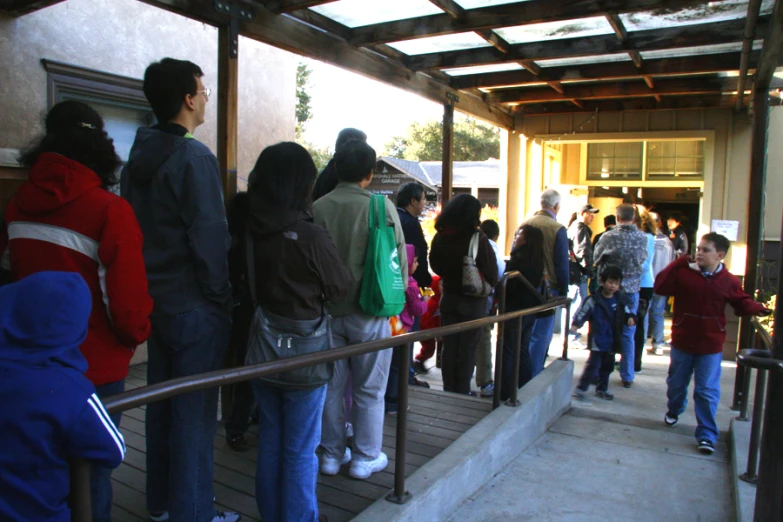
(443, 484)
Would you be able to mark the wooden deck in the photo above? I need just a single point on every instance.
(435, 420)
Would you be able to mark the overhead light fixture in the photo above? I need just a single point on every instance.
(625, 190)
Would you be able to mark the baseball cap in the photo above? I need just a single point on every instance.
(589, 208)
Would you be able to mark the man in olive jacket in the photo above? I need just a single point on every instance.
(344, 212)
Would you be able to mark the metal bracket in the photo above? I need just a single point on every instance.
(453, 98)
(236, 12)
(391, 497)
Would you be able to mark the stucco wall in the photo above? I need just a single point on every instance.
(774, 188)
(123, 37)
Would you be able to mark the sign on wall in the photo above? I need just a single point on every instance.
(730, 229)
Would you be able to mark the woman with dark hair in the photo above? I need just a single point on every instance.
(646, 222)
(456, 226)
(63, 218)
(527, 257)
(296, 268)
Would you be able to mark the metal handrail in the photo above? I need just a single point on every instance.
(80, 489)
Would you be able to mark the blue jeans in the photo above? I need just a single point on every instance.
(524, 371)
(100, 477)
(706, 389)
(289, 430)
(600, 364)
(180, 431)
(629, 344)
(540, 339)
(657, 307)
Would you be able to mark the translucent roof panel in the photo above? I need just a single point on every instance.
(437, 44)
(709, 12)
(698, 51)
(583, 60)
(556, 30)
(355, 13)
(475, 4)
(481, 69)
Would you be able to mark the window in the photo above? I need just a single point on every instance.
(119, 100)
(618, 161)
(675, 159)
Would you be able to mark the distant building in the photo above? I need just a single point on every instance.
(480, 178)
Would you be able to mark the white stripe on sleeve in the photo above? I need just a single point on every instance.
(96, 404)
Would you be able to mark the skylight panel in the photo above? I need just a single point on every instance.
(356, 13)
(709, 12)
(476, 4)
(483, 69)
(583, 60)
(692, 51)
(582, 27)
(437, 44)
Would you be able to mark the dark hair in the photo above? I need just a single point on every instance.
(676, 216)
(611, 272)
(75, 130)
(408, 193)
(534, 245)
(354, 161)
(283, 178)
(490, 228)
(572, 219)
(463, 213)
(237, 213)
(347, 135)
(609, 220)
(167, 82)
(721, 242)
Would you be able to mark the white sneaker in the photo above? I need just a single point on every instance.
(348, 430)
(226, 516)
(658, 349)
(162, 516)
(331, 465)
(362, 469)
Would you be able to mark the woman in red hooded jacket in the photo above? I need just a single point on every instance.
(63, 218)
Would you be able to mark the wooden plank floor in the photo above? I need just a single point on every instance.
(435, 420)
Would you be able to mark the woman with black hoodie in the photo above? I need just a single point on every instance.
(528, 259)
(296, 268)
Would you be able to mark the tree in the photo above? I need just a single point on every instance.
(303, 109)
(473, 141)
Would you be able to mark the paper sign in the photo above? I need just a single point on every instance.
(730, 229)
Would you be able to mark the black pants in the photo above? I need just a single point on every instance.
(242, 400)
(641, 332)
(525, 370)
(459, 350)
(601, 363)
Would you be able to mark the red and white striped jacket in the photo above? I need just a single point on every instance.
(61, 219)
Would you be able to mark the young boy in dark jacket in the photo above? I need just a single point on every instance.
(701, 291)
(50, 412)
(607, 311)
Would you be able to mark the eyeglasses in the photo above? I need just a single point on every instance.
(206, 90)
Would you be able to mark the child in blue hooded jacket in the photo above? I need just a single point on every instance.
(50, 412)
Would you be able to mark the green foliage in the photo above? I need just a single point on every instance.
(473, 141)
(303, 109)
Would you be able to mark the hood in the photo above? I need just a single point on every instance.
(43, 320)
(54, 181)
(151, 149)
(436, 290)
(265, 220)
(411, 251)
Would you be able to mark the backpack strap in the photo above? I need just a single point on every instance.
(251, 265)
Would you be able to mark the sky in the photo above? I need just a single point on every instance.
(342, 99)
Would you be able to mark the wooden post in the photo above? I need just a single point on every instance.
(447, 174)
(228, 80)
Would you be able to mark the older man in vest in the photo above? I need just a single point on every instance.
(556, 270)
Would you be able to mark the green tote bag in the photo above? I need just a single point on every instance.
(383, 290)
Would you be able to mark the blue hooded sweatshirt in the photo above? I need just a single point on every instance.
(49, 412)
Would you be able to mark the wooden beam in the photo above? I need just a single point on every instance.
(602, 91)
(658, 98)
(532, 68)
(457, 12)
(286, 6)
(636, 58)
(578, 103)
(730, 31)
(513, 14)
(630, 104)
(705, 64)
(23, 7)
(320, 21)
(618, 26)
(288, 33)
(227, 117)
(451, 7)
(447, 162)
(495, 40)
(557, 86)
(772, 49)
(649, 81)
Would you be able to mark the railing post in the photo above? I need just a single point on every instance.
(500, 344)
(567, 327)
(399, 495)
(744, 404)
(755, 429)
(514, 398)
(81, 503)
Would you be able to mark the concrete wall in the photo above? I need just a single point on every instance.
(123, 37)
(774, 189)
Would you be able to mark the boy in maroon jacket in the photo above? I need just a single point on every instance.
(701, 291)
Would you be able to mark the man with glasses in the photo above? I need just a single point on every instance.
(172, 181)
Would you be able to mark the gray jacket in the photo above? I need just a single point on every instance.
(172, 181)
(624, 246)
